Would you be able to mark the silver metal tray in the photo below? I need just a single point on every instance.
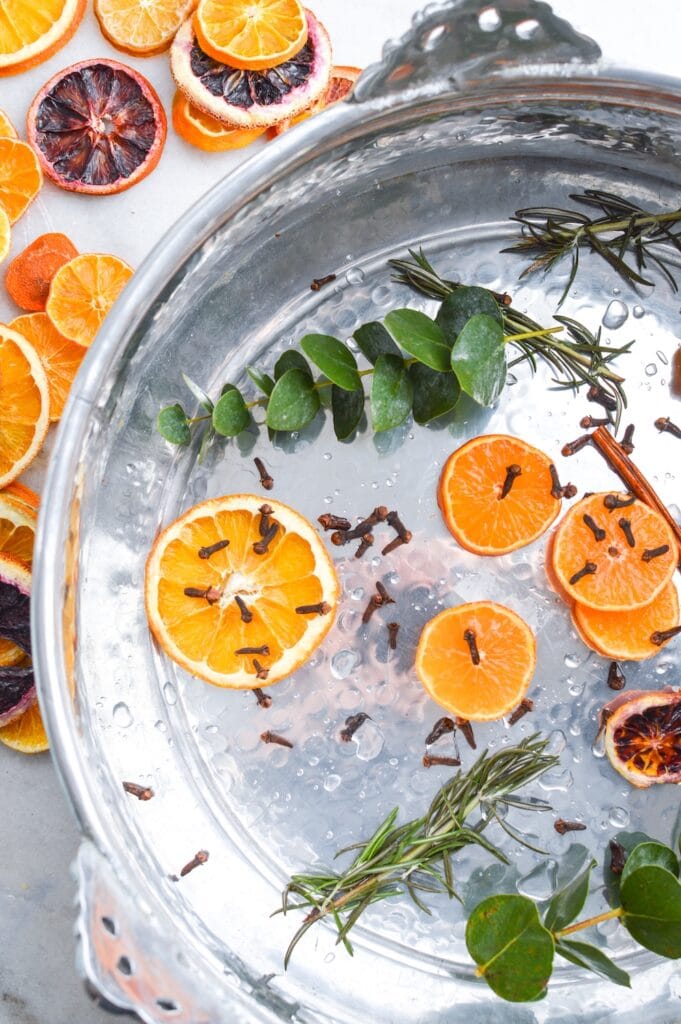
(477, 112)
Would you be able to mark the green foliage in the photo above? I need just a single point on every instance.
(261, 380)
(172, 424)
(479, 359)
(346, 408)
(651, 901)
(460, 306)
(293, 402)
(434, 393)
(650, 853)
(420, 336)
(199, 394)
(569, 899)
(391, 393)
(334, 360)
(291, 360)
(513, 949)
(230, 415)
(374, 341)
(592, 959)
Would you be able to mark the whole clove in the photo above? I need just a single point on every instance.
(572, 447)
(319, 282)
(260, 671)
(266, 480)
(393, 630)
(599, 395)
(265, 523)
(627, 442)
(588, 422)
(383, 594)
(263, 649)
(665, 426)
(651, 553)
(264, 700)
(396, 543)
(526, 705)
(260, 547)
(431, 760)
(212, 549)
(588, 569)
(618, 857)
(211, 594)
(141, 792)
(616, 678)
(469, 637)
(364, 545)
(512, 472)
(321, 608)
(660, 636)
(598, 531)
(200, 858)
(393, 519)
(330, 522)
(625, 527)
(467, 729)
(274, 737)
(557, 491)
(246, 614)
(613, 501)
(375, 602)
(562, 826)
(352, 724)
(344, 536)
(440, 729)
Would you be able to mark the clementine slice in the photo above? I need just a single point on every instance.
(476, 660)
(23, 494)
(626, 636)
(31, 32)
(206, 132)
(239, 597)
(141, 28)
(26, 733)
(613, 560)
(82, 293)
(251, 35)
(643, 737)
(20, 175)
(5, 235)
(30, 274)
(59, 356)
(7, 129)
(17, 528)
(495, 494)
(24, 404)
(340, 85)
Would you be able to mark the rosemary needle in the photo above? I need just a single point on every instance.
(414, 858)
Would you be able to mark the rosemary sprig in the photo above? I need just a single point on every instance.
(621, 227)
(580, 360)
(414, 858)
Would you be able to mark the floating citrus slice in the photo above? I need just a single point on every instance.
(495, 494)
(26, 733)
(17, 528)
(59, 356)
(613, 559)
(97, 127)
(82, 293)
(476, 660)
(141, 28)
(24, 404)
(251, 99)
(7, 129)
(5, 235)
(205, 132)
(17, 687)
(30, 274)
(31, 31)
(251, 35)
(238, 596)
(23, 494)
(626, 636)
(643, 737)
(340, 85)
(20, 176)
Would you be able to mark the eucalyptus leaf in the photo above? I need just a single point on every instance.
(651, 901)
(593, 959)
(230, 415)
(334, 360)
(172, 424)
(206, 441)
(294, 401)
(261, 380)
(434, 393)
(512, 948)
(391, 393)
(291, 360)
(420, 336)
(198, 393)
(479, 359)
(374, 341)
(460, 306)
(650, 853)
(569, 900)
(346, 408)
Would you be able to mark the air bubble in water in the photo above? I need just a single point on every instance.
(615, 315)
(651, 370)
(638, 312)
(344, 663)
(662, 357)
(369, 740)
(332, 782)
(121, 715)
(619, 817)
(170, 693)
(355, 275)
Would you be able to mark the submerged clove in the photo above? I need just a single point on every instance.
(572, 447)
(558, 491)
(200, 858)
(266, 480)
(440, 729)
(393, 630)
(665, 426)
(430, 760)
(526, 705)
(330, 522)
(562, 826)
(352, 724)
(467, 729)
(616, 677)
(264, 700)
(141, 792)
(274, 737)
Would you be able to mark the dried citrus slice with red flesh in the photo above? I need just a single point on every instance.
(142, 27)
(476, 660)
(252, 99)
(20, 177)
(643, 736)
(205, 132)
(495, 494)
(629, 635)
(24, 404)
(32, 30)
(59, 356)
(17, 687)
(97, 127)
(245, 613)
(252, 35)
(613, 559)
(82, 293)
(30, 274)
(340, 85)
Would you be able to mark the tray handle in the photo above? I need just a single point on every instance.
(455, 44)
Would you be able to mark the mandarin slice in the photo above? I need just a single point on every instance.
(643, 737)
(20, 176)
(204, 605)
(59, 356)
(24, 404)
(26, 733)
(207, 133)
(476, 660)
(30, 274)
(17, 528)
(597, 565)
(23, 494)
(7, 129)
(626, 636)
(251, 35)
(82, 293)
(31, 31)
(471, 488)
(5, 235)
(141, 27)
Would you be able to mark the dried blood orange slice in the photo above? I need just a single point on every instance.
(26, 733)
(205, 132)
(82, 293)
(246, 613)
(31, 31)
(476, 660)
(59, 356)
(643, 736)
(20, 177)
(7, 129)
(24, 404)
(143, 27)
(252, 35)
(613, 560)
(252, 99)
(495, 494)
(340, 85)
(17, 687)
(626, 636)
(30, 274)
(97, 127)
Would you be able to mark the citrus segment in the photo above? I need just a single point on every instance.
(643, 737)
(625, 636)
(596, 563)
(31, 32)
(481, 511)
(203, 610)
(5, 235)
(17, 528)
(340, 85)
(23, 494)
(26, 733)
(20, 176)
(142, 28)
(97, 127)
(7, 129)
(59, 356)
(476, 660)
(30, 274)
(207, 133)
(24, 404)
(251, 35)
(82, 293)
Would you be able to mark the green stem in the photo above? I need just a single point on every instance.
(199, 419)
(589, 922)
(621, 225)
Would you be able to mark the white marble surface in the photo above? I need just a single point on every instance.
(38, 836)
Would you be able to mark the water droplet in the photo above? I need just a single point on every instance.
(575, 688)
(381, 295)
(355, 275)
(651, 370)
(662, 357)
(556, 781)
(638, 312)
(615, 315)
(357, 594)
(557, 742)
(329, 958)
(161, 726)
(344, 663)
(539, 883)
(170, 694)
(369, 741)
(328, 500)
(619, 817)
(571, 660)
(121, 715)
(332, 782)
(598, 745)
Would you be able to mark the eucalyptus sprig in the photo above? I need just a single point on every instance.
(414, 858)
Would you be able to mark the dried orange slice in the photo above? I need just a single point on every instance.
(20, 176)
(205, 132)
(476, 660)
(142, 27)
(205, 605)
(30, 274)
(97, 127)
(59, 356)
(643, 736)
(26, 733)
(31, 31)
(5, 235)
(340, 85)
(626, 636)
(24, 404)
(488, 506)
(7, 129)
(17, 687)
(613, 560)
(82, 293)
(17, 528)
(23, 494)
(251, 35)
